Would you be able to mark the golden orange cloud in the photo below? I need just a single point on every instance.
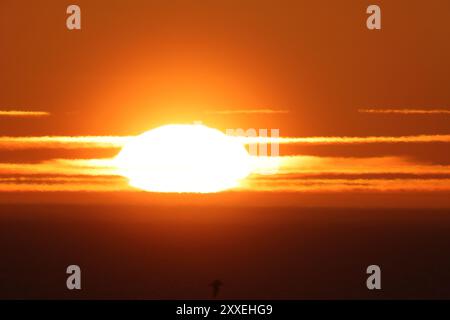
(295, 174)
(17, 113)
(348, 140)
(405, 111)
(250, 111)
(76, 142)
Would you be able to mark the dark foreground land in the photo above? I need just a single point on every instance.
(172, 252)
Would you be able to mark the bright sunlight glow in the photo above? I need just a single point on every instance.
(184, 158)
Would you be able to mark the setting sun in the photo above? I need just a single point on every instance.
(183, 158)
(230, 156)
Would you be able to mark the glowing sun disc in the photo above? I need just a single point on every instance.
(183, 158)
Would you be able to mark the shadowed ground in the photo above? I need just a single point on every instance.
(176, 252)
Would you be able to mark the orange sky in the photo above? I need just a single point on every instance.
(312, 67)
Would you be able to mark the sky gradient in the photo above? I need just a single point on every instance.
(358, 111)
